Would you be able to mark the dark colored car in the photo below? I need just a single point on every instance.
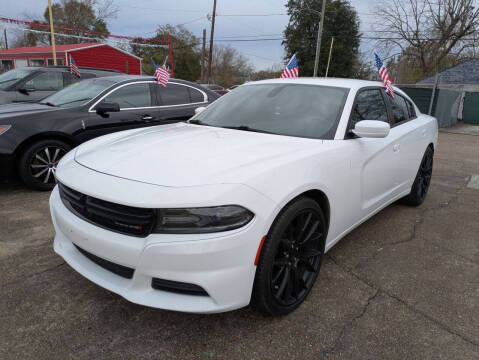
(32, 84)
(34, 136)
(216, 88)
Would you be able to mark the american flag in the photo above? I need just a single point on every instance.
(387, 81)
(162, 75)
(291, 70)
(73, 67)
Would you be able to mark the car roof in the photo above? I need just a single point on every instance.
(128, 78)
(335, 82)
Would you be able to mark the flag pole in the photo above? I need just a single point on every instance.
(329, 58)
(52, 34)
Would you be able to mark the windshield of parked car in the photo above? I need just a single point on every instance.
(12, 76)
(78, 93)
(309, 111)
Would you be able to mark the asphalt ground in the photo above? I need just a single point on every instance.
(404, 285)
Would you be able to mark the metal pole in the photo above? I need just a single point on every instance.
(210, 60)
(318, 40)
(203, 57)
(171, 56)
(433, 94)
(52, 34)
(329, 58)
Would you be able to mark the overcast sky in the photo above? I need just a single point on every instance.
(141, 18)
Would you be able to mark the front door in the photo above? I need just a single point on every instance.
(39, 87)
(137, 109)
(374, 161)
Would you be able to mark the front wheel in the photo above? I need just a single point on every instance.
(39, 161)
(422, 181)
(290, 258)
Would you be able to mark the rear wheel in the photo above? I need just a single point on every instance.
(39, 161)
(290, 258)
(422, 181)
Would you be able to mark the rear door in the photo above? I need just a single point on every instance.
(409, 140)
(138, 108)
(179, 101)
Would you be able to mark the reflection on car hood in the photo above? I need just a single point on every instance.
(188, 155)
(22, 109)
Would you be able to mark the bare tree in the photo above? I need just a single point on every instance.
(428, 31)
(229, 67)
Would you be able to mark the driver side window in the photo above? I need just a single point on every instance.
(131, 96)
(46, 81)
(370, 105)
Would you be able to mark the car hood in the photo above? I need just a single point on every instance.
(188, 155)
(23, 109)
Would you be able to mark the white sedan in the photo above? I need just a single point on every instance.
(239, 204)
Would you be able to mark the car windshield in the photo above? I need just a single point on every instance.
(309, 111)
(12, 76)
(78, 93)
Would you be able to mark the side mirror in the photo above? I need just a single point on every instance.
(25, 91)
(199, 109)
(107, 107)
(371, 129)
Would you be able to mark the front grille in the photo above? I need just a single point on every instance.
(177, 287)
(115, 217)
(117, 269)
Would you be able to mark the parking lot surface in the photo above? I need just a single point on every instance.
(404, 285)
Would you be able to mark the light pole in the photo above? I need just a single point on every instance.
(320, 33)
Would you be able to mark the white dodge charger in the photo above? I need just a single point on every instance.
(239, 204)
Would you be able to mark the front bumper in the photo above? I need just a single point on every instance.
(7, 166)
(222, 263)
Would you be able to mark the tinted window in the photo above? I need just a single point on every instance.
(12, 76)
(399, 109)
(174, 94)
(412, 110)
(131, 96)
(48, 81)
(70, 78)
(196, 95)
(370, 106)
(309, 111)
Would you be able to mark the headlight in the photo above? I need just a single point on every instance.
(201, 220)
(4, 128)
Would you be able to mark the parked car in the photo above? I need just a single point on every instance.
(34, 137)
(216, 88)
(32, 84)
(240, 203)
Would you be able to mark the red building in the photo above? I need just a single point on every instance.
(86, 55)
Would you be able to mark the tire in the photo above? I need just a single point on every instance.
(38, 162)
(289, 262)
(422, 181)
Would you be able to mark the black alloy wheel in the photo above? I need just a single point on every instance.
(38, 164)
(290, 259)
(423, 180)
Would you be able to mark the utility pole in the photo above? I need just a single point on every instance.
(329, 58)
(6, 40)
(318, 40)
(52, 34)
(210, 60)
(203, 56)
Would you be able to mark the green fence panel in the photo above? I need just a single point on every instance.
(470, 112)
(421, 97)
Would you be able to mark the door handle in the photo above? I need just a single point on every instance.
(147, 117)
(396, 147)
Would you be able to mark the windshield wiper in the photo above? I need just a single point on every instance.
(196, 122)
(247, 128)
